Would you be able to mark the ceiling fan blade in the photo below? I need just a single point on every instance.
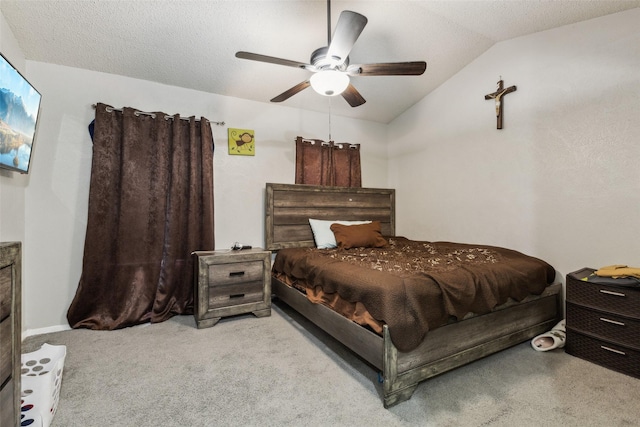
(348, 29)
(415, 68)
(274, 60)
(290, 92)
(352, 96)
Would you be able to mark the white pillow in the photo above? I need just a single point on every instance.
(323, 235)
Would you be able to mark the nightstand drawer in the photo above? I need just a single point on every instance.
(235, 294)
(612, 356)
(613, 299)
(607, 326)
(236, 272)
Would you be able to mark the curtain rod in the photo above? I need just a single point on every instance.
(329, 143)
(153, 115)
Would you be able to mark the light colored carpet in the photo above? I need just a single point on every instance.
(282, 371)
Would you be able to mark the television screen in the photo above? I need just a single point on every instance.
(19, 107)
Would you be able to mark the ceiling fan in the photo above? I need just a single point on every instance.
(330, 64)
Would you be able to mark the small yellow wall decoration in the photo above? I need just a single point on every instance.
(242, 142)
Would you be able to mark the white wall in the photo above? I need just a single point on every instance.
(57, 196)
(561, 180)
(12, 184)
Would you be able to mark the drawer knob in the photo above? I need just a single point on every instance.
(615, 322)
(236, 274)
(617, 294)
(613, 350)
(236, 296)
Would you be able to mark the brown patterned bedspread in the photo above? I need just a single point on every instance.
(415, 286)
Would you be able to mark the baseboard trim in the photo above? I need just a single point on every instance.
(47, 330)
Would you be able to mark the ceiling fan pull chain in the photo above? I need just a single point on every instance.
(330, 118)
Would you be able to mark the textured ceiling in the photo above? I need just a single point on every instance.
(192, 43)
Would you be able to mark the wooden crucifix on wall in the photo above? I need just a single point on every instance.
(498, 95)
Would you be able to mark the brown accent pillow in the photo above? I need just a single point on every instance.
(359, 236)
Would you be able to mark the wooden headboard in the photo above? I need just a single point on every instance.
(289, 207)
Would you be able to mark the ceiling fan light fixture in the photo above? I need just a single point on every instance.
(329, 82)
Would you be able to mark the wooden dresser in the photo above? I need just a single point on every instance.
(230, 283)
(603, 323)
(10, 333)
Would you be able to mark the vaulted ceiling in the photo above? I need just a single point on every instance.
(192, 43)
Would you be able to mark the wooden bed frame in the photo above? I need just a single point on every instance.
(288, 209)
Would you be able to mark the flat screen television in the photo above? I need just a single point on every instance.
(19, 108)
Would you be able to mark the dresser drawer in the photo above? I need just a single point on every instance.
(8, 405)
(6, 356)
(612, 356)
(5, 292)
(612, 299)
(607, 326)
(235, 272)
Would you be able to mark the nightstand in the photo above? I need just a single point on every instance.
(231, 282)
(603, 323)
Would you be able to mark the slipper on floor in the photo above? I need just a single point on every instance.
(550, 340)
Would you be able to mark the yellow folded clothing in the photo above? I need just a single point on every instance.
(618, 271)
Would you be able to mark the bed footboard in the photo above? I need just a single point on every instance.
(459, 343)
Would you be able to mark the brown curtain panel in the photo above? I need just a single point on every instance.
(327, 163)
(346, 165)
(150, 206)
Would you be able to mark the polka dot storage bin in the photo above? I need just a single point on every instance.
(29, 415)
(41, 377)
